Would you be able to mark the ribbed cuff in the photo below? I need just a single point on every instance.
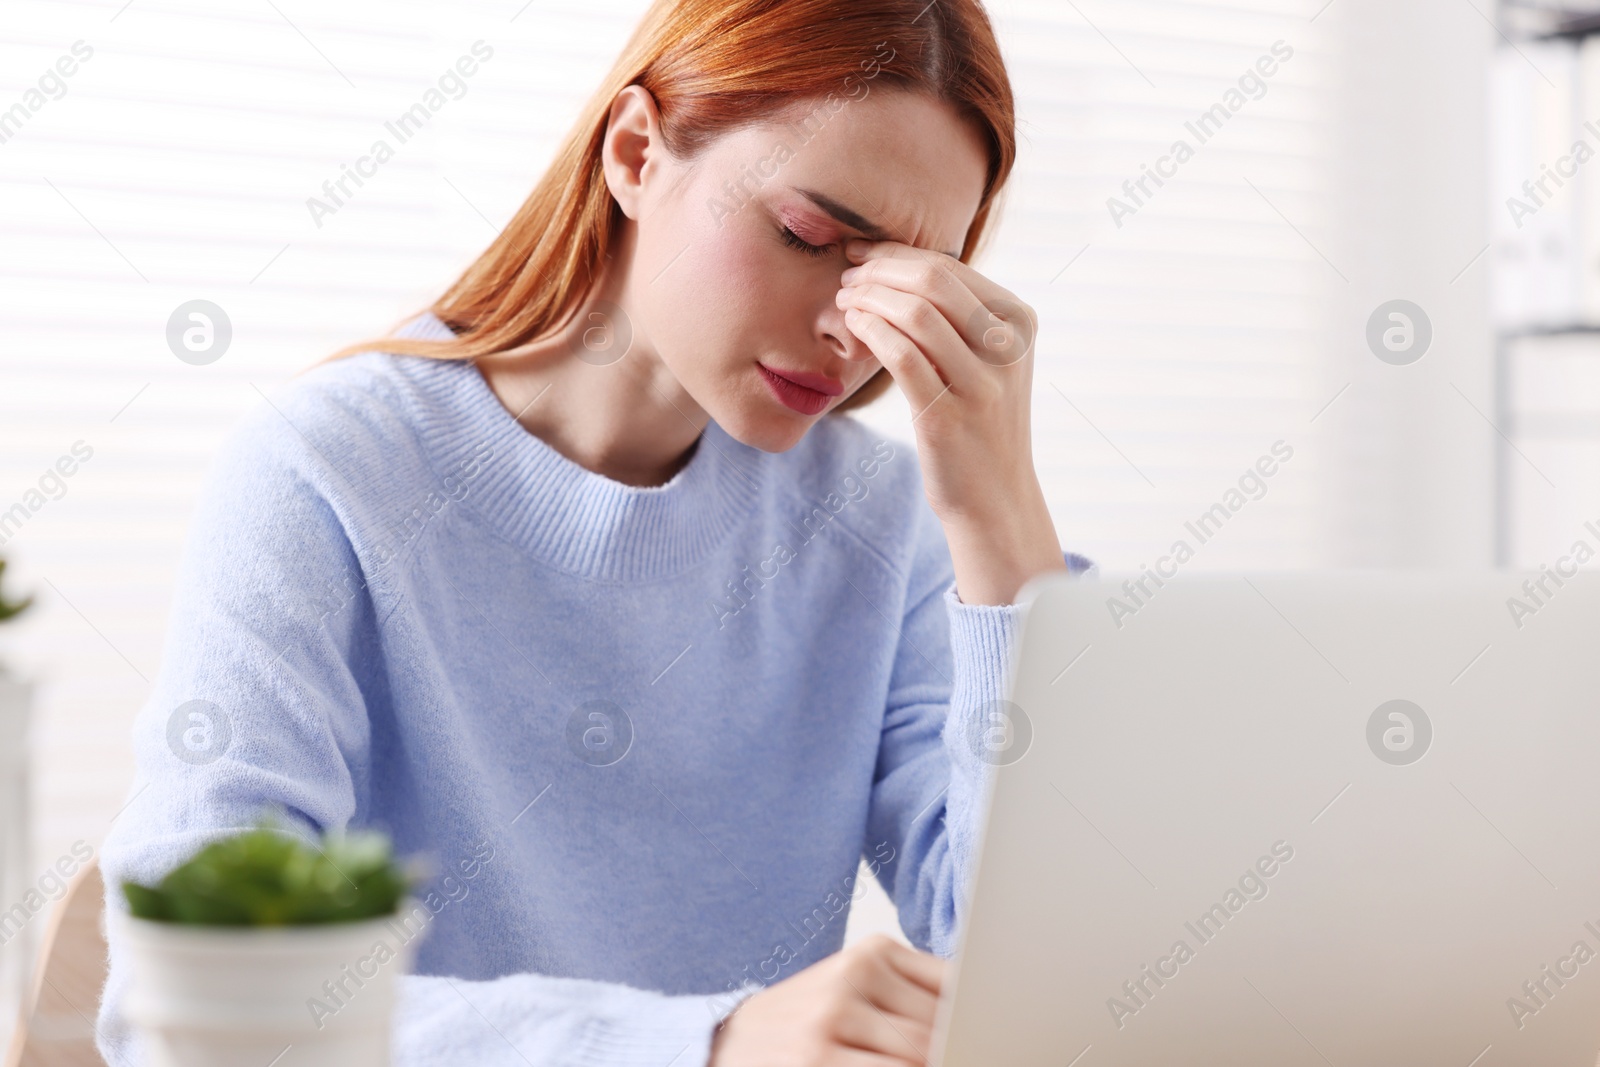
(983, 640)
(983, 637)
(658, 1031)
(983, 646)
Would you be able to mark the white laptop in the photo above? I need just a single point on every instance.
(1340, 818)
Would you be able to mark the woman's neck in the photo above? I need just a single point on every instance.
(628, 420)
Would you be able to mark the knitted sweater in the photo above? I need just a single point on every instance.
(646, 736)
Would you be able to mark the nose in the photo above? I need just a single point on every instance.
(839, 337)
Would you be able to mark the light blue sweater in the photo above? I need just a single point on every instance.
(646, 735)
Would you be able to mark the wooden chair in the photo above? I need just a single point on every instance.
(56, 1027)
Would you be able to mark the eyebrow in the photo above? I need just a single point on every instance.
(854, 219)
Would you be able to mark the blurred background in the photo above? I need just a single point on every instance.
(1377, 249)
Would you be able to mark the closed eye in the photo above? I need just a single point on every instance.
(793, 240)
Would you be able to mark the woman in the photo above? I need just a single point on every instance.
(582, 585)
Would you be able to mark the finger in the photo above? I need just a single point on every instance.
(866, 1026)
(900, 996)
(855, 1057)
(926, 324)
(896, 256)
(995, 325)
(915, 373)
(923, 968)
(884, 984)
(956, 293)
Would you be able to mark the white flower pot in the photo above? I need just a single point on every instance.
(302, 996)
(16, 859)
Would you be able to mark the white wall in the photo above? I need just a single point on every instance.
(1410, 477)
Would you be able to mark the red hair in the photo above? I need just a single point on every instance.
(714, 66)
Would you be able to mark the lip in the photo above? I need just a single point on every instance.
(793, 395)
(819, 383)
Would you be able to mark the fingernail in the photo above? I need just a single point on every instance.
(857, 247)
(850, 275)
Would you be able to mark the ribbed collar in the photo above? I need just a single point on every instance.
(560, 512)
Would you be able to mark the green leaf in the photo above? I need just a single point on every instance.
(144, 902)
(269, 876)
(10, 609)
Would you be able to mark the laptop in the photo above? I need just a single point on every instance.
(1339, 818)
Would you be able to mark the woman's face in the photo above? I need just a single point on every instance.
(736, 256)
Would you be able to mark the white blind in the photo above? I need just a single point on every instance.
(177, 163)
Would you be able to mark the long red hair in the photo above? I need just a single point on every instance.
(714, 66)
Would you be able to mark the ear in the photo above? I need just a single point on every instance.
(632, 153)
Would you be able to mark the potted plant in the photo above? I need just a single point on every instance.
(265, 948)
(14, 693)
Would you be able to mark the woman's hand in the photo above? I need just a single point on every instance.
(961, 349)
(869, 1005)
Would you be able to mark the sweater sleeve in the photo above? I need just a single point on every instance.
(261, 700)
(951, 671)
